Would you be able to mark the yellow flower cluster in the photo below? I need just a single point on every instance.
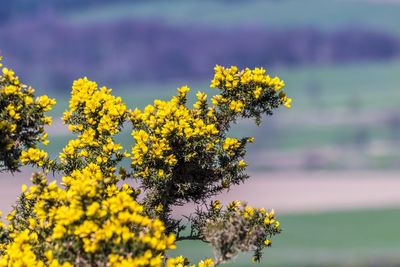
(91, 214)
(231, 78)
(99, 109)
(249, 85)
(35, 156)
(236, 106)
(159, 128)
(2, 230)
(22, 118)
(147, 259)
(44, 102)
(286, 101)
(181, 261)
(96, 116)
(20, 251)
(230, 145)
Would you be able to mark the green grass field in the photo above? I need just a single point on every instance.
(354, 238)
(325, 15)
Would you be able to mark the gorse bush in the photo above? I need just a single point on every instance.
(22, 120)
(181, 155)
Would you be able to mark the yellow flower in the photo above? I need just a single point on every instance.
(58, 232)
(11, 89)
(13, 127)
(248, 212)
(161, 173)
(231, 143)
(206, 263)
(183, 90)
(159, 208)
(34, 155)
(257, 92)
(201, 96)
(24, 187)
(216, 204)
(242, 163)
(286, 101)
(8, 73)
(45, 102)
(28, 100)
(135, 114)
(236, 106)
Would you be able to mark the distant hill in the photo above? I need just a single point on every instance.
(51, 53)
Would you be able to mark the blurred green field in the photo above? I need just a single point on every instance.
(273, 14)
(353, 238)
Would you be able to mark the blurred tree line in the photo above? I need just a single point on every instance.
(50, 52)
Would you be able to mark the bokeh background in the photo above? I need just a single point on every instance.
(330, 166)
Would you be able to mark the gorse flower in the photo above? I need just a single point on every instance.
(34, 155)
(180, 154)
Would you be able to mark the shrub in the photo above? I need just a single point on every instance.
(22, 121)
(181, 154)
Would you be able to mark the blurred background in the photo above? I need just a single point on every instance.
(330, 166)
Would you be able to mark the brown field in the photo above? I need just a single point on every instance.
(286, 192)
